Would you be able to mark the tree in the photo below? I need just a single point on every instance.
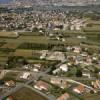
(79, 73)
(35, 29)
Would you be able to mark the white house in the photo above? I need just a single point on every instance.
(64, 67)
(25, 75)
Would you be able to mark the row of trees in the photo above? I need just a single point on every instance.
(39, 46)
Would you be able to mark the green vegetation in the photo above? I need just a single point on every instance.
(30, 34)
(57, 91)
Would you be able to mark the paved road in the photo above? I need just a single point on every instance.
(11, 91)
(43, 74)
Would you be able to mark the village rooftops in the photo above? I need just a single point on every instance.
(40, 85)
(9, 98)
(64, 96)
(79, 89)
(10, 83)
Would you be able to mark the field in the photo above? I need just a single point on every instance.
(28, 44)
(29, 33)
(26, 53)
(45, 40)
(94, 22)
(31, 95)
(30, 39)
(3, 57)
(10, 45)
(93, 26)
(92, 97)
(8, 34)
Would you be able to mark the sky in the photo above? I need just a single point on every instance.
(4, 1)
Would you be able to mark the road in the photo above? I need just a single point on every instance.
(11, 91)
(44, 74)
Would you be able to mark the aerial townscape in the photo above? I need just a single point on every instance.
(49, 49)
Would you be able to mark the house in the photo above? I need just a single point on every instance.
(27, 66)
(37, 67)
(79, 89)
(40, 85)
(44, 53)
(64, 67)
(68, 48)
(56, 56)
(10, 83)
(96, 84)
(84, 54)
(63, 39)
(88, 61)
(61, 83)
(9, 98)
(25, 75)
(77, 50)
(86, 74)
(35, 70)
(64, 96)
(56, 71)
(16, 34)
(81, 37)
(56, 81)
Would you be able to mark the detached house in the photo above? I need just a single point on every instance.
(64, 97)
(40, 85)
(79, 89)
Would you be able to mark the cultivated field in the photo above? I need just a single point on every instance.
(26, 53)
(31, 95)
(93, 26)
(8, 34)
(10, 45)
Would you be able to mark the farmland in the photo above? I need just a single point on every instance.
(26, 53)
(92, 97)
(8, 34)
(28, 45)
(31, 95)
(10, 45)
